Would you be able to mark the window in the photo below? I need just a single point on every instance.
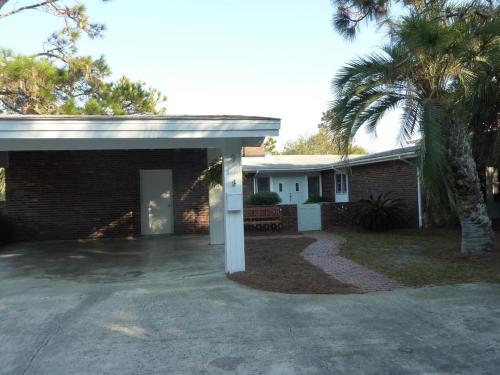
(263, 184)
(297, 186)
(313, 187)
(341, 183)
(280, 187)
(2, 184)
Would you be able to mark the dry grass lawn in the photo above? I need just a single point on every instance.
(276, 265)
(420, 258)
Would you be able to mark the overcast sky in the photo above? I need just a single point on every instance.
(260, 57)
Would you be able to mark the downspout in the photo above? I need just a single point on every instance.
(419, 198)
(419, 194)
(255, 182)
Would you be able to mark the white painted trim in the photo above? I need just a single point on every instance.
(381, 159)
(320, 184)
(344, 197)
(305, 191)
(83, 133)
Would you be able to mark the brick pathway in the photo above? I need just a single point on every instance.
(324, 254)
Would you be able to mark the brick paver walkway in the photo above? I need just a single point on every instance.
(324, 254)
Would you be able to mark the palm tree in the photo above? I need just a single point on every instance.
(440, 61)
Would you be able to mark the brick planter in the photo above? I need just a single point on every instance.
(288, 217)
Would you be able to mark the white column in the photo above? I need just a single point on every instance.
(216, 205)
(233, 209)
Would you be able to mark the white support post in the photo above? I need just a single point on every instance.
(233, 209)
(216, 205)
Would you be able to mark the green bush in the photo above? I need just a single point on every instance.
(5, 230)
(266, 198)
(379, 214)
(319, 199)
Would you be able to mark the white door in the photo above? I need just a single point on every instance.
(156, 202)
(290, 189)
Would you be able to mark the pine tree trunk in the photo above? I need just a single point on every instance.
(477, 232)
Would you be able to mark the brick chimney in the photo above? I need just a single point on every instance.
(254, 151)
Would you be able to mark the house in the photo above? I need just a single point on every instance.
(79, 177)
(299, 178)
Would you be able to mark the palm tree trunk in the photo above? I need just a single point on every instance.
(477, 232)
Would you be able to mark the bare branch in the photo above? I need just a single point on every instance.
(2, 3)
(27, 7)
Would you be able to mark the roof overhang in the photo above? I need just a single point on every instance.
(371, 159)
(32, 133)
(307, 164)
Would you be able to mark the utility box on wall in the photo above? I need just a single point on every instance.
(234, 202)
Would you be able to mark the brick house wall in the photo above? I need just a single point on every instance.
(397, 177)
(96, 194)
(248, 187)
(328, 185)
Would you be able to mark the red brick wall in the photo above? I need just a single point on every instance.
(397, 177)
(289, 218)
(327, 185)
(336, 215)
(94, 194)
(247, 187)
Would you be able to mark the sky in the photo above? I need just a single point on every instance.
(262, 58)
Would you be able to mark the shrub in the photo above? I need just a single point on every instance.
(319, 199)
(265, 198)
(5, 230)
(379, 214)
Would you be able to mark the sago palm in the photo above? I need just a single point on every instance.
(434, 70)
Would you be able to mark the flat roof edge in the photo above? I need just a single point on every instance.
(136, 118)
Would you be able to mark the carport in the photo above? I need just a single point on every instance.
(140, 137)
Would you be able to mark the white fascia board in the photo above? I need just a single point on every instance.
(28, 133)
(354, 162)
(285, 170)
(137, 128)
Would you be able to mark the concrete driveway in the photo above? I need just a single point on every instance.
(163, 306)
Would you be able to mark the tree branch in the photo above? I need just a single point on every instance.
(27, 7)
(2, 3)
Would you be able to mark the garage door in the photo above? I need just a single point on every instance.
(309, 217)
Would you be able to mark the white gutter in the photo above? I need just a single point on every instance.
(419, 200)
(419, 194)
(264, 170)
(379, 159)
(255, 181)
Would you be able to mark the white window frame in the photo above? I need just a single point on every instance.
(343, 196)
